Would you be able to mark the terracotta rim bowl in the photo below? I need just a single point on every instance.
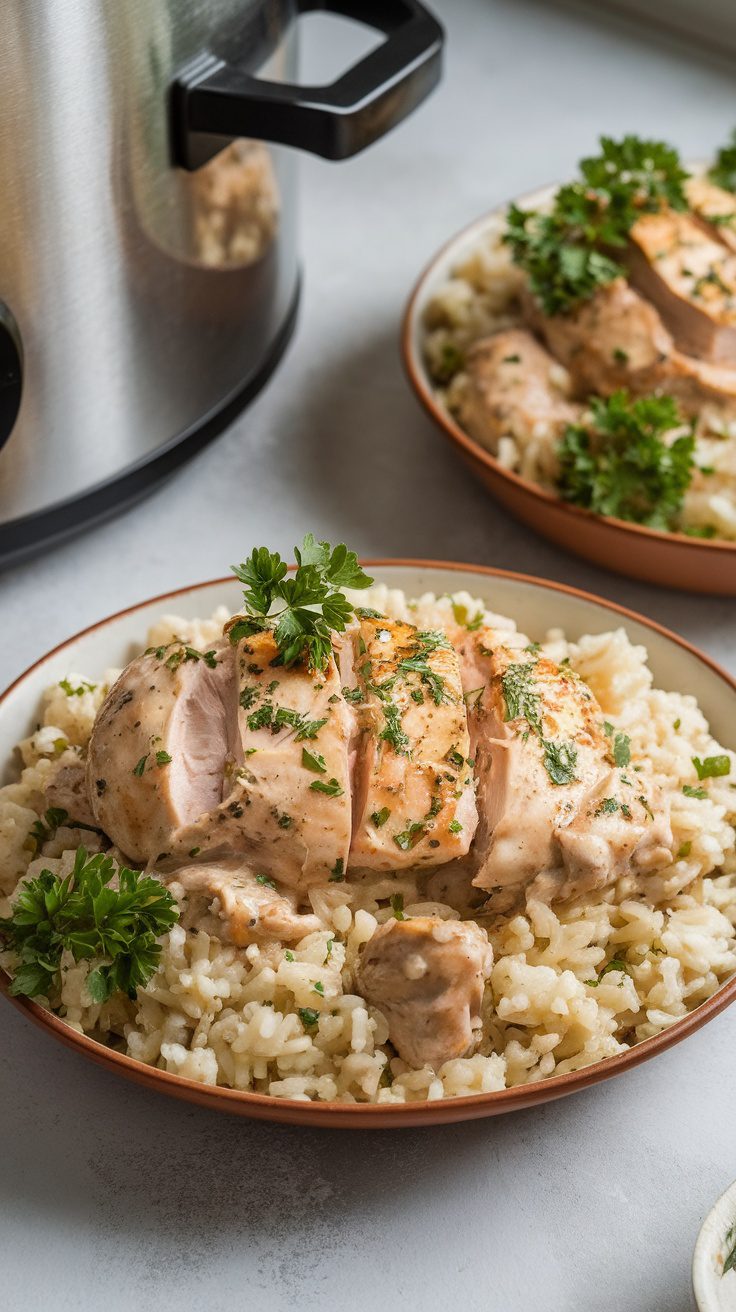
(672, 560)
(109, 642)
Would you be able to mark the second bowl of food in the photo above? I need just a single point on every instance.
(578, 347)
(439, 848)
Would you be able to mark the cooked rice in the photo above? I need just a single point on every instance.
(481, 298)
(223, 1015)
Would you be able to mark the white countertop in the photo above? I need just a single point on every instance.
(112, 1197)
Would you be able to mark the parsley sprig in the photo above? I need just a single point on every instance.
(566, 251)
(303, 609)
(619, 463)
(81, 914)
(723, 170)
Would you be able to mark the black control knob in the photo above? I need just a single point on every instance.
(11, 373)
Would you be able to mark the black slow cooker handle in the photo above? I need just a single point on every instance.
(212, 99)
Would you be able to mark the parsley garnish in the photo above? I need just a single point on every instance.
(163, 758)
(379, 818)
(337, 873)
(332, 789)
(689, 791)
(620, 746)
(392, 731)
(352, 694)
(42, 830)
(266, 881)
(455, 827)
(564, 251)
(310, 603)
(607, 807)
(308, 1017)
(140, 766)
(560, 761)
(723, 170)
(712, 767)
(71, 691)
(410, 836)
(397, 906)
(81, 914)
(313, 761)
(618, 463)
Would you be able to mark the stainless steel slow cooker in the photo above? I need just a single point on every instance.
(148, 259)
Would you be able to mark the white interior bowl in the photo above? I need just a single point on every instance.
(715, 1292)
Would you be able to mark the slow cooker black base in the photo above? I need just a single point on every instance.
(24, 537)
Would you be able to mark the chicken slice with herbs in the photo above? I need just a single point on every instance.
(287, 794)
(230, 900)
(691, 278)
(513, 387)
(714, 208)
(413, 789)
(426, 976)
(547, 780)
(616, 339)
(159, 747)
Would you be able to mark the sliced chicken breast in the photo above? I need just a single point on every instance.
(514, 388)
(426, 976)
(691, 278)
(617, 340)
(413, 788)
(67, 789)
(714, 209)
(287, 798)
(230, 900)
(545, 771)
(159, 747)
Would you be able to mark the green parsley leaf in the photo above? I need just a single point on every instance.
(397, 906)
(71, 691)
(379, 818)
(723, 171)
(303, 609)
(308, 1017)
(163, 758)
(713, 767)
(332, 789)
(689, 791)
(81, 914)
(266, 881)
(319, 988)
(392, 731)
(560, 761)
(140, 766)
(455, 827)
(337, 873)
(313, 761)
(619, 464)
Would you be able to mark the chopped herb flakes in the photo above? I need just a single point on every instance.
(379, 818)
(332, 789)
(71, 691)
(689, 791)
(266, 881)
(392, 731)
(163, 758)
(560, 761)
(713, 767)
(397, 906)
(337, 874)
(313, 761)
(308, 1017)
(455, 827)
(140, 766)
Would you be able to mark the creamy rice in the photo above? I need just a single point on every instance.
(229, 1016)
(482, 297)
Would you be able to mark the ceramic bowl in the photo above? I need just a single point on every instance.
(672, 560)
(536, 606)
(714, 1291)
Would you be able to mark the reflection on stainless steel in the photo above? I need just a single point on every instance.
(236, 206)
(143, 296)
